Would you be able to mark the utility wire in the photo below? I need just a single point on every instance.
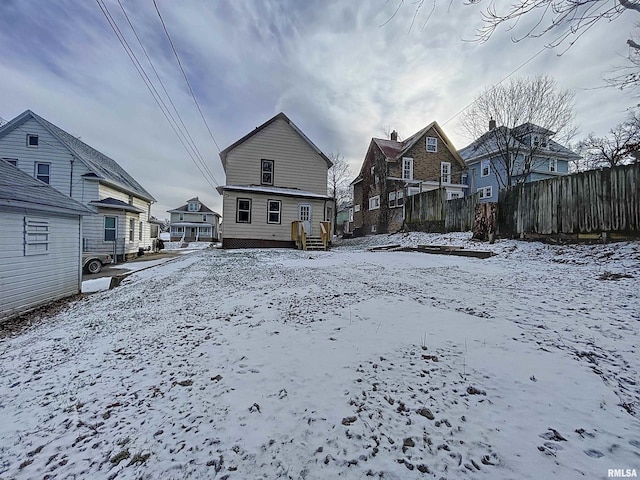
(184, 74)
(150, 87)
(144, 50)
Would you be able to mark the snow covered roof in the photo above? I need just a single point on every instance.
(287, 192)
(282, 116)
(17, 189)
(185, 208)
(103, 167)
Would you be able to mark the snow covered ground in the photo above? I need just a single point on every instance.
(252, 364)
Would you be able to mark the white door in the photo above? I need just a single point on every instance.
(304, 215)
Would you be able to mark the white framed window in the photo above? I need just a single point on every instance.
(110, 227)
(432, 144)
(374, 228)
(132, 229)
(351, 214)
(407, 168)
(36, 236)
(43, 172)
(356, 208)
(553, 164)
(140, 231)
(192, 207)
(485, 168)
(392, 199)
(452, 195)
(445, 172)
(485, 192)
(463, 178)
(243, 210)
(274, 207)
(12, 161)
(32, 140)
(204, 217)
(399, 198)
(266, 177)
(181, 216)
(374, 202)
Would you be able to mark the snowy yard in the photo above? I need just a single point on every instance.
(252, 364)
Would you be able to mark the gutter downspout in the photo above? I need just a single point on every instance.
(71, 178)
(79, 253)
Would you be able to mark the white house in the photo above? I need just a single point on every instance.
(194, 222)
(54, 157)
(276, 177)
(40, 254)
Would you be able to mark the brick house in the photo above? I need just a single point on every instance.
(393, 170)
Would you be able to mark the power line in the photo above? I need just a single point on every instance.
(144, 50)
(150, 86)
(185, 75)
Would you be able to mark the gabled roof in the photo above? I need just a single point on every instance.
(184, 208)
(280, 116)
(487, 144)
(17, 189)
(103, 167)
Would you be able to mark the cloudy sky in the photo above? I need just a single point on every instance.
(343, 70)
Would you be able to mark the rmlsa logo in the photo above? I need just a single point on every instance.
(622, 473)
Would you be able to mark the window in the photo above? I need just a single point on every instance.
(181, 216)
(432, 144)
(356, 208)
(140, 232)
(445, 172)
(452, 195)
(553, 164)
(374, 202)
(36, 236)
(32, 141)
(374, 228)
(132, 229)
(329, 214)
(204, 217)
(464, 178)
(407, 168)
(485, 192)
(130, 199)
(485, 168)
(274, 208)
(110, 224)
(392, 199)
(243, 210)
(43, 172)
(399, 198)
(267, 172)
(12, 161)
(192, 207)
(351, 214)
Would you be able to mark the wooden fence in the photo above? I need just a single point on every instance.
(431, 211)
(606, 200)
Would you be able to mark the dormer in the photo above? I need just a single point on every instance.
(194, 205)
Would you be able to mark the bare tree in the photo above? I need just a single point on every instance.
(339, 183)
(563, 22)
(621, 146)
(521, 116)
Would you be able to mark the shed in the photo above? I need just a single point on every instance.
(40, 242)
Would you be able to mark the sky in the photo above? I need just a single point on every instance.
(343, 71)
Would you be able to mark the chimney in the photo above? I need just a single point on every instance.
(394, 136)
(492, 124)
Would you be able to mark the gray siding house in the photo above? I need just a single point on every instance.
(194, 222)
(54, 157)
(532, 154)
(40, 254)
(275, 176)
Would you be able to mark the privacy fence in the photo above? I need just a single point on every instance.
(606, 200)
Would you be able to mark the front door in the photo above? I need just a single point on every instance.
(304, 215)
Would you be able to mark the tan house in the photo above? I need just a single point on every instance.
(194, 222)
(276, 188)
(393, 170)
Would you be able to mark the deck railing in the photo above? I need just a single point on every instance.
(299, 234)
(325, 234)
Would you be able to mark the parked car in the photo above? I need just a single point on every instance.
(93, 262)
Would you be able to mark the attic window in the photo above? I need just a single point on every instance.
(432, 144)
(192, 207)
(32, 141)
(267, 172)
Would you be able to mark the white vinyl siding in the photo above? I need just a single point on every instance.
(259, 228)
(298, 165)
(31, 280)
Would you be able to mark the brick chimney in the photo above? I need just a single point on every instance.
(394, 136)
(492, 124)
